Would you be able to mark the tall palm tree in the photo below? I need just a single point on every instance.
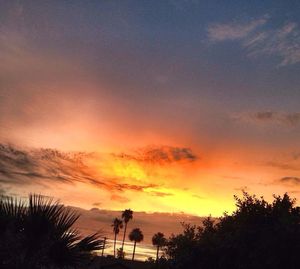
(159, 241)
(137, 236)
(38, 233)
(127, 215)
(104, 244)
(117, 225)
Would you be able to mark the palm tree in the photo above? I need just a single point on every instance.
(126, 216)
(38, 233)
(137, 236)
(117, 225)
(104, 244)
(159, 241)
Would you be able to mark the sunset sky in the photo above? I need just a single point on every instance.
(158, 106)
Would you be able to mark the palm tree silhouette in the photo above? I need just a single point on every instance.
(159, 241)
(137, 236)
(117, 225)
(126, 216)
(39, 233)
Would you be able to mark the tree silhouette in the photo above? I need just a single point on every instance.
(137, 236)
(38, 233)
(159, 241)
(127, 215)
(117, 225)
(257, 235)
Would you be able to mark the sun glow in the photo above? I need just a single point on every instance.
(128, 169)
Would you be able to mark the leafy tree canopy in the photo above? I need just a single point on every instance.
(257, 235)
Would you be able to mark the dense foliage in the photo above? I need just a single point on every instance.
(257, 235)
(39, 234)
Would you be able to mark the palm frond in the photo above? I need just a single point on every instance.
(40, 233)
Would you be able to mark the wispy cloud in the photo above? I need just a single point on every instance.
(292, 180)
(160, 193)
(291, 119)
(119, 198)
(282, 165)
(232, 31)
(42, 166)
(198, 196)
(160, 155)
(259, 39)
(97, 204)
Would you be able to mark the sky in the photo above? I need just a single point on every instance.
(160, 106)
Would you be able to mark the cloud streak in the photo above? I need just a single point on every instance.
(42, 166)
(160, 155)
(290, 119)
(282, 165)
(292, 180)
(160, 194)
(119, 198)
(258, 39)
(232, 31)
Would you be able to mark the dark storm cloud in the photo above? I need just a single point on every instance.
(161, 155)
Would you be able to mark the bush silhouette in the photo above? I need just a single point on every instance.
(257, 235)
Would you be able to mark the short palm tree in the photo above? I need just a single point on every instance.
(159, 241)
(38, 233)
(127, 215)
(117, 226)
(137, 236)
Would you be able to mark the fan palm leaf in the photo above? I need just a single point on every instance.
(40, 233)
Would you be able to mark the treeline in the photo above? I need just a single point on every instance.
(257, 235)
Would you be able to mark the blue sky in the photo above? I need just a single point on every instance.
(130, 42)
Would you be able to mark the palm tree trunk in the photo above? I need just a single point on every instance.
(104, 243)
(115, 245)
(124, 235)
(133, 250)
(157, 253)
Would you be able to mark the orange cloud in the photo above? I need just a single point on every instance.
(119, 198)
(160, 154)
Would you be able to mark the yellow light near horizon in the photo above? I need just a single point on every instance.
(128, 169)
(185, 201)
